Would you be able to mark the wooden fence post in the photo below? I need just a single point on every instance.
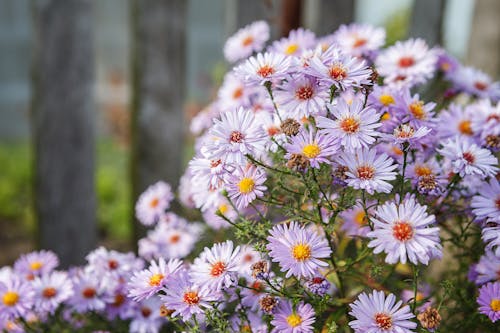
(158, 80)
(427, 20)
(63, 128)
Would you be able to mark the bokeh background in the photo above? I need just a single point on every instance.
(96, 97)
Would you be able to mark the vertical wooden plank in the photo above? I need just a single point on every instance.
(253, 10)
(427, 20)
(330, 14)
(291, 16)
(158, 74)
(484, 41)
(63, 127)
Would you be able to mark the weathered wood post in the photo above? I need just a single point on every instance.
(332, 13)
(159, 76)
(427, 20)
(63, 128)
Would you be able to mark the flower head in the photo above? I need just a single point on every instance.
(247, 40)
(153, 203)
(51, 290)
(16, 297)
(290, 320)
(263, 68)
(489, 300)
(298, 250)
(376, 313)
(246, 184)
(359, 39)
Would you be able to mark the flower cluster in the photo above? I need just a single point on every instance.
(339, 184)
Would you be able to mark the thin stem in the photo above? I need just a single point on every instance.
(415, 288)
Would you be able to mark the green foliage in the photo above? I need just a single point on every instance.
(397, 26)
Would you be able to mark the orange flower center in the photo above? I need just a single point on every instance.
(304, 93)
(175, 239)
(417, 109)
(247, 41)
(273, 130)
(337, 72)
(406, 62)
(155, 279)
(146, 312)
(88, 292)
(465, 128)
(49, 292)
(265, 71)
(359, 42)
(236, 137)
(422, 170)
(402, 231)
(154, 202)
(217, 269)
(480, 85)
(191, 298)
(383, 321)
(469, 157)
(366, 172)
(238, 93)
(301, 252)
(349, 125)
(113, 264)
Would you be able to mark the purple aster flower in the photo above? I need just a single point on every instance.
(375, 313)
(297, 41)
(146, 283)
(209, 172)
(468, 159)
(368, 171)
(489, 300)
(318, 284)
(301, 96)
(235, 135)
(475, 82)
(315, 147)
(354, 125)
(232, 94)
(293, 320)
(487, 268)
(407, 63)
(355, 221)
(359, 39)
(186, 298)
(404, 232)
(246, 259)
(51, 290)
(297, 250)
(110, 264)
(486, 205)
(413, 110)
(217, 267)
(16, 297)
(118, 305)
(250, 296)
(36, 263)
(153, 203)
(407, 134)
(88, 293)
(263, 68)
(246, 184)
(339, 69)
(146, 316)
(491, 236)
(458, 121)
(251, 38)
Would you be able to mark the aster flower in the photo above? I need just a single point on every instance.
(16, 297)
(247, 40)
(297, 41)
(489, 300)
(146, 283)
(475, 82)
(246, 259)
(413, 110)
(250, 296)
(153, 202)
(300, 97)
(486, 205)
(186, 298)
(404, 232)
(487, 268)
(339, 69)
(407, 134)
(353, 124)
(36, 263)
(319, 285)
(468, 159)
(376, 313)
(315, 147)
(50, 290)
(407, 63)
(359, 39)
(297, 250)
(355, 221)
(146, 316)
(458, 121)
(368, 171)
(216, 267)
(246, 184)
(491, 236)
(209, 172)
(263, 68)
(112, 264)
(289, 320)
(88, 293)
(233, 136)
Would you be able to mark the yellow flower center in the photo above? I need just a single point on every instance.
(154, 202)
(10, 298)
(360, 218)
(294, 320)
(386, 116)
(301, 252)
(223, 208)
(311, 151)
(386, 99)
(349, 125)
(423, 170)
(291, 49)
(417, 110)
(495, 304)
(155, 280)
(464, 127)
(246, 185)
(36, 265)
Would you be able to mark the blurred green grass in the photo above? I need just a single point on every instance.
(113, 191)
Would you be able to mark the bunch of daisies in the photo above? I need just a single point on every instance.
(343, 187)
